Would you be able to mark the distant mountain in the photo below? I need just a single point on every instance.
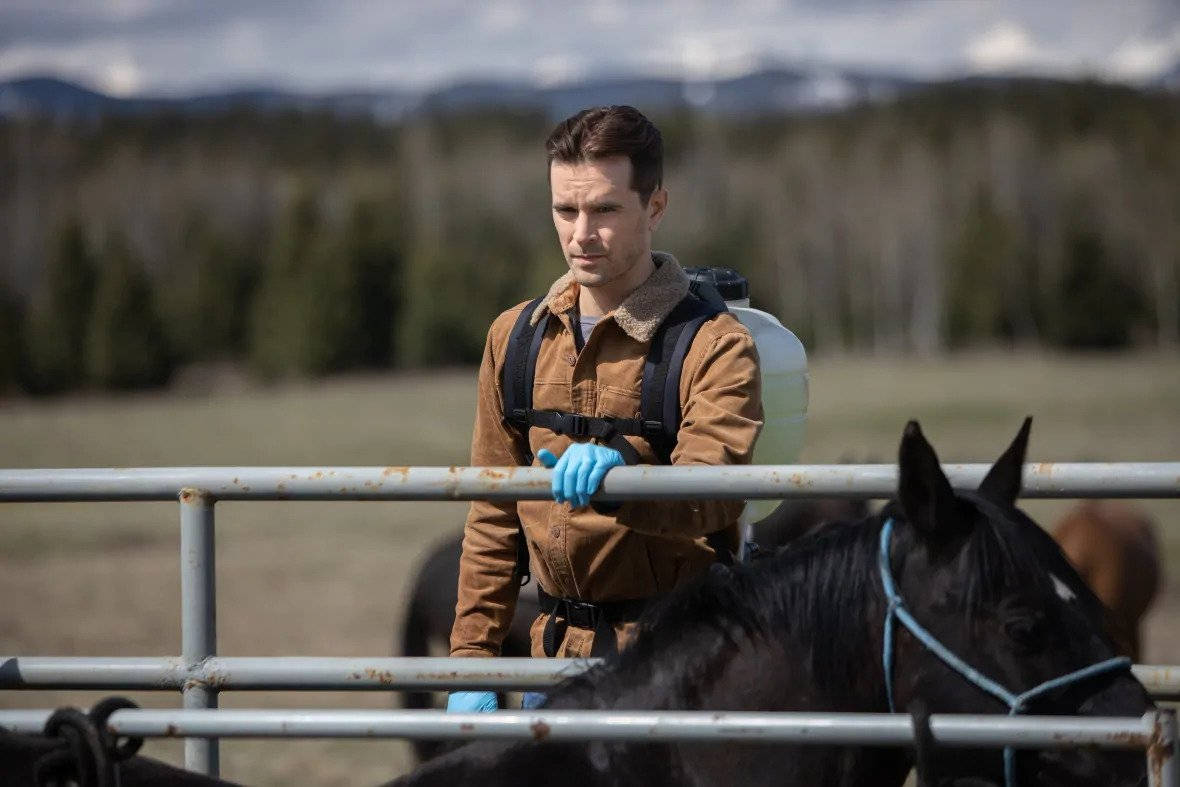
(48, 96)
(776, 90)
(61, 99)
(769, 91)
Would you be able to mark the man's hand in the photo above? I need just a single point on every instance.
(580, 470)
(471, 701)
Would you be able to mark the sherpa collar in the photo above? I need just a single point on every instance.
(642, 311)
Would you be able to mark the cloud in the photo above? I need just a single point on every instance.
(187, 45)
(1005, 47)
(1141, 59)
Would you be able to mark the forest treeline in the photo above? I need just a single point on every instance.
(304, 244)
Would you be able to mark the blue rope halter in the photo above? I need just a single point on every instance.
(1015, 702)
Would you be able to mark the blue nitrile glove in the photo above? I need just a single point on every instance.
(471, 701)
(580, 470)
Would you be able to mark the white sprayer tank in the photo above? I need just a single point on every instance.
(783, 363)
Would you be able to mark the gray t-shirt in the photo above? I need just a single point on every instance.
(585, 325)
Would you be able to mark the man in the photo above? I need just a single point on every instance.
(596, 567)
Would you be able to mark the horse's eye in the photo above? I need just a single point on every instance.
(1025, 630)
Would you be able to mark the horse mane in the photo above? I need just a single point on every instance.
(815, 593)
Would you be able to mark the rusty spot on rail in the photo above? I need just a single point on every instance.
(540, 730)
(1130, 740)
(492, 474)
(186, 496)
(216, 680)
(384, 677)
(171, 731)
(1044, 468)
(401, 470)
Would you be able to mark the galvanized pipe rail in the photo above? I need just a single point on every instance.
(198, 489)
(1154, 732)
(889, 729)
(329, 673)
(699, 482)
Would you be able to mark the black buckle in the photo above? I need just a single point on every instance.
(581, 614)
(653, 428)
(573, 424)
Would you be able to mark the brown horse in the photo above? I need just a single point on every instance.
(1113, 545)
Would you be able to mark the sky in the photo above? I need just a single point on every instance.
(129, 47)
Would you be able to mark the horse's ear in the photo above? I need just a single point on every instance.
(1002, 483)
(923, 490)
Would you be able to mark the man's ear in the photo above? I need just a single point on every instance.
(1002, 483)
(923, 490)
(657, 203)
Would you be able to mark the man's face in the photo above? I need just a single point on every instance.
(603, 227)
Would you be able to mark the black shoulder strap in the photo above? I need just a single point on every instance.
(660, 394)
(520, 366)
(516, 383)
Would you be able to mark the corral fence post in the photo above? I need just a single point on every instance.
(198, 618)
(1163, 751)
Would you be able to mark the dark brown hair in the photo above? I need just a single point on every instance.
(602, 132)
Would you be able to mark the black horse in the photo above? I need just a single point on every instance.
(805, 630)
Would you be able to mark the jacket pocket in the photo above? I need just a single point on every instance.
(617, 402)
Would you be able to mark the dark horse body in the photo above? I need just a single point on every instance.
(803, 630)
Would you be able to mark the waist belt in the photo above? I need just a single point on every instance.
(599, 618)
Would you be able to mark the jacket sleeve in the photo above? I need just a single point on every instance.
(487, 588)
(721, 417)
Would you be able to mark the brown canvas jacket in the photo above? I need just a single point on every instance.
(643, 549)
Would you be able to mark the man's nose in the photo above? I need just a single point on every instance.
(584, 229)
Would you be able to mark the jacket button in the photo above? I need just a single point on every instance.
(555, 533)
(572, 360)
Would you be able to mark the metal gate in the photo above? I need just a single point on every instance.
(199, 673)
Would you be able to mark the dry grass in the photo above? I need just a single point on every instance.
(328, 578)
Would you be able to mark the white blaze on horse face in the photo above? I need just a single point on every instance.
(1064, 592)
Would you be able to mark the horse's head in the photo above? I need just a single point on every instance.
(989, 584)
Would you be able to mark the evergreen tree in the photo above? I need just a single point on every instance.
(976, 289)
(1098, 306)
(55, 327)
(377, 254)
(327, 301)
(457, 288)
(278, 322)
(11, 334)
(126, 346)
(207, 301)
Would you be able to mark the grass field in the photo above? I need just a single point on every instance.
(328, 578)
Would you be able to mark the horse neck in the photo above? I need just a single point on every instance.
(832, 620)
